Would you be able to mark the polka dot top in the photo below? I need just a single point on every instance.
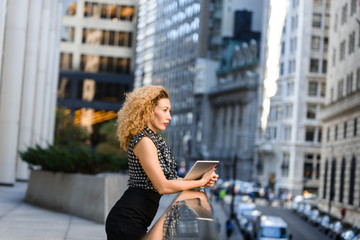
(137, 175)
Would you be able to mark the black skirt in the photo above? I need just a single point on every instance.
(132, 214)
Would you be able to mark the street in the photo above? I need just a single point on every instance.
(298, 228)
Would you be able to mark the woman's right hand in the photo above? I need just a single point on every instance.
(209, 178)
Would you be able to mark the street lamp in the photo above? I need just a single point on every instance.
(233, 187)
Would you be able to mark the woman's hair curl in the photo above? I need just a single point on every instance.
(137, 111)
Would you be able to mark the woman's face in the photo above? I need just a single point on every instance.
(161, 116)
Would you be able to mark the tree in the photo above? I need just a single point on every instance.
(67, 133)
(111, 144)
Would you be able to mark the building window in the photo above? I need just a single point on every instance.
(344, 14)
(308, 170)
(287, 133)
(311, 111)
(352, 181)
(342, 178)
(66, 61)
(317, 173)
(334, 57)
(64, 88)
(322, 89)
(332, 180)
(355, 126)
(67, 34)
(327, 21)
(315, 43)
(314, 65)
(345, 129)
(290, 88)
(288, 111)
(282, 48)
(310, 134)
(70, 8)
(324, 66)
(353, 7)
(285, 164)
(340, 89)
(342, 50)
(349, 83)
(281, 69)
(325, 179)
(359, 37)
(110, 38)
(335, 22)
(328, 134)
(312, 90)
(319, 135)
(317, 3)
(351, 43)
(326, 44)
(316, 21)
(92, 63)
(336, 132)
(109, 11)
(271, 133)
(358, 78)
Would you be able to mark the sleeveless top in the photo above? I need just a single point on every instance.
(137, 175)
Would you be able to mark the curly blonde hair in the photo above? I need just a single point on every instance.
(137, 111)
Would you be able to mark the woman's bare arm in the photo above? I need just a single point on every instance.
(146, 151)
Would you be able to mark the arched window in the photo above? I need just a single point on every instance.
(325, 179)
(332, 179)
(352, 180)
(342, 178)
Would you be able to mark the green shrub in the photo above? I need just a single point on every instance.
(73, 160)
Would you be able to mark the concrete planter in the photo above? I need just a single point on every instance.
(87, 196)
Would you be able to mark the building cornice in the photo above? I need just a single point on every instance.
(340, 107)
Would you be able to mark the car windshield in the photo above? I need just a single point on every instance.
(273, 232)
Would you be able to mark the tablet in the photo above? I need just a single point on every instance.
(199, 168)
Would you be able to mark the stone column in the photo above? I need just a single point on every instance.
(53, 99)
(11, 90)
(29, 86)
(3, 6)
(38, 120)
(49, 76)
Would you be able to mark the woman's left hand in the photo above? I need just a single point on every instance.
(214, 177)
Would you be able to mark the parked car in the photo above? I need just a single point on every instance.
(314, 216)
(273, 227)
(335, 229)
(348, 235)
(300, 208)
(325, 224)
(306, 211)
(357, 237)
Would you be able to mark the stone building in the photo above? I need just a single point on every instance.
(288, 145)
(340, 162)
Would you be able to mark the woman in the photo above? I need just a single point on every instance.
(152, 169)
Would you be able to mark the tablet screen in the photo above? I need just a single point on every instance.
(199, 168)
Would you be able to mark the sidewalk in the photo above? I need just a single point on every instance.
(22, 221)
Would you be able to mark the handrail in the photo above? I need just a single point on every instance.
(188, 216)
